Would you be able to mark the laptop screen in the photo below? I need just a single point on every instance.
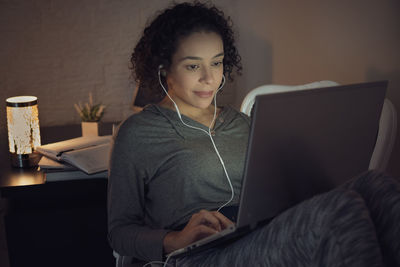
(303, 143)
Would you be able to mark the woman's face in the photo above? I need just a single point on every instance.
(196, 70)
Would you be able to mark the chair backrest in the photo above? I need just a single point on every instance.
(387, 124)
(249, 99)
(386, 137)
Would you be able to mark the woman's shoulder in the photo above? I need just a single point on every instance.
(147, 119)
(147, 114)
(230, 111)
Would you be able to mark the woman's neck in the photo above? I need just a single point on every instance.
(204, 116)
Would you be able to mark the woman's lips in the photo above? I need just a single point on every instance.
(204, 94)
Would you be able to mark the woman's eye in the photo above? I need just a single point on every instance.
(192, 67)
(217, 64)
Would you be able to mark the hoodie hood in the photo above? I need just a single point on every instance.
(226, 115)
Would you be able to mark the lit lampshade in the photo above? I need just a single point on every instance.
(23, 129)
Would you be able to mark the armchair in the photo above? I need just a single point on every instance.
(380, 157)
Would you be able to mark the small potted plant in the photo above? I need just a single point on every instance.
(90, 115)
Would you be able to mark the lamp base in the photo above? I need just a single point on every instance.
(24, 160)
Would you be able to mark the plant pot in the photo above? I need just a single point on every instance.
(90, 128)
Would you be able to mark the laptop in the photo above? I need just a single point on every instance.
(301, 143)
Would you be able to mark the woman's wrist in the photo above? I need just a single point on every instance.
(169, 242)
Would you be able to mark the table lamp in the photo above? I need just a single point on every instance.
(23, 130)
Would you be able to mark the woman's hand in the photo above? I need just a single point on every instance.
(200, 225)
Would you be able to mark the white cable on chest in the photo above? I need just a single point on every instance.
(206, 132)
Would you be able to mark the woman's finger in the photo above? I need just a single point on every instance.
(202, 231)
(207, 218)
(224, 221)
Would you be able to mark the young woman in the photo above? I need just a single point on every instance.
(176, 167)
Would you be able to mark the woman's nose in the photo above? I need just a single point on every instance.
(207, 76)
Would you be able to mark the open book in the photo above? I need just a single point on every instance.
(49, 165)
(89, 154)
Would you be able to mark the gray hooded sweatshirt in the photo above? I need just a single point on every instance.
(161, 172)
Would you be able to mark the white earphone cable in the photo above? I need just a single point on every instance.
(208, 133)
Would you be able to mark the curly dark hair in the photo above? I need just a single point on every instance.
(161, 38)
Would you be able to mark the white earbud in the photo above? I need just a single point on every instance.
(162, 71)
(222, 84)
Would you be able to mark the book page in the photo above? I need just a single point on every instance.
(47, 164)
(91, 159)
(54, 150)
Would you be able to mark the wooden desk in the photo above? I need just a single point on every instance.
(56, 223)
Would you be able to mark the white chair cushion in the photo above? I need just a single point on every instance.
(387, 123)
(248, 101)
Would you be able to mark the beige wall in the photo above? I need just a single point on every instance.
(297, 42)
(62, 50)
